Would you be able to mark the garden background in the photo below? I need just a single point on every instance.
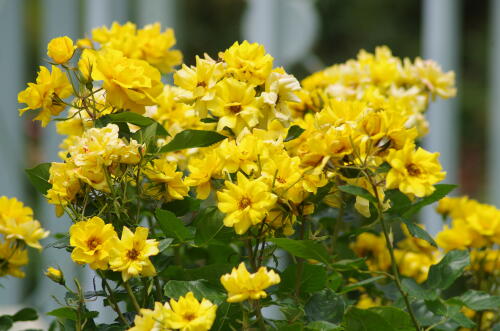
(302, 35)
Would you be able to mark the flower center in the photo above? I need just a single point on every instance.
(244, 202)
(92, 243)
(189, 317)
(413, 169)
(235, 108)
(201, 84)
(132, 254)
(281, 180)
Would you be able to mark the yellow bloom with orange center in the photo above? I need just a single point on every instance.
(189, 314)
(242, 285)
(414, 172)
(92, 240)
(165, 173)
(61, 49)
(48, 91)
(245, 203)
(16, 222)
(130, 255)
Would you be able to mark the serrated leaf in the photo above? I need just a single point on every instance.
(358, 191)
(25, 314)
(441, 190)
(200, 288)
(479, 300)
(325, 305)
(294, 132)
(307, 249)
(39, 177)
(365, 320)
(172, 226)
(443, 274)
(191, 139)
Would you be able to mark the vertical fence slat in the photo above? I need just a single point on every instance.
(493, 171)
(440, 40)
(11, 128)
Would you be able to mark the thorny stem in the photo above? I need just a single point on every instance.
(394, 265)
(132, 296)
(112, 300)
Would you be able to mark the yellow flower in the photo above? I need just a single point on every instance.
(413, 264)
(248, 62)
(56, 275)
(433, 78)
(236, 105)
(201, 171)
(129, 83)
(414, 171)
(365, 301)
(60, 49)
(245, 203)
(374, 248)
(188, 314)
(130, 255)
(12, 258)
(280, 90)
(164, 172)
(16, 222)
(92, 241)
(155, 47)
(242, 285)
(151, 320)
(46, 93)
(65, 183)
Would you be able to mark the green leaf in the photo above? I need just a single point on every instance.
(26, 314)
(322, 326)
(478, 300)
(192, 138)
(6, 322)
(417, 291)
(172, 226)
(294, 132)
(325, 305)
(313, 278)
(132, 118)
(306, 249)
(400, 202)
(365, 320)
(209, 225)
(443, 274)
(397, 318)
(358, 191)
(364, 282)
(63, 313)
(348, 264)
(39, 177)
(182, 207)
(164, 244)
(441, 191)
(417, 232)
(200, 288)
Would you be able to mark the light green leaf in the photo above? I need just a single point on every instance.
(443, 274)
(478, 300)
(172, 226)
(358, 191)
(397, 318)
(210, 226)
(63, 313)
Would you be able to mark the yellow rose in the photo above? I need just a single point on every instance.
(60, 49)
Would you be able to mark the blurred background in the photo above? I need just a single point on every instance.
(302, 35)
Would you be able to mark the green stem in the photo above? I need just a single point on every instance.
(112, 300)
(244, 319)
(132, 296)
(159, 292)
(300, 262)
(258, 314)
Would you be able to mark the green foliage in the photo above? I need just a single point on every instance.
(39, 177)
(172, 226)
(200, 288)
(307, 249)
(192, 138)
(293, 132)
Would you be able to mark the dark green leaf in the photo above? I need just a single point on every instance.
(400, 201)
(6, 322)
(397, 318)
(200, 288)
(358, 191)
(441, 191)
(26, 314)
(322, 326)
(348, 264)
(172, 226)
(365, 320)
(478, 300)
(307, 249)
(209, 225)
(443, 274)
(361, 283)
(39, 177)
(192, 138)
(417, 291)
(418, 232)
(182, 207)
(209, 120)
(325, 305)
(312, 280)
(64, 313)
(294, 132)
(132, 118)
